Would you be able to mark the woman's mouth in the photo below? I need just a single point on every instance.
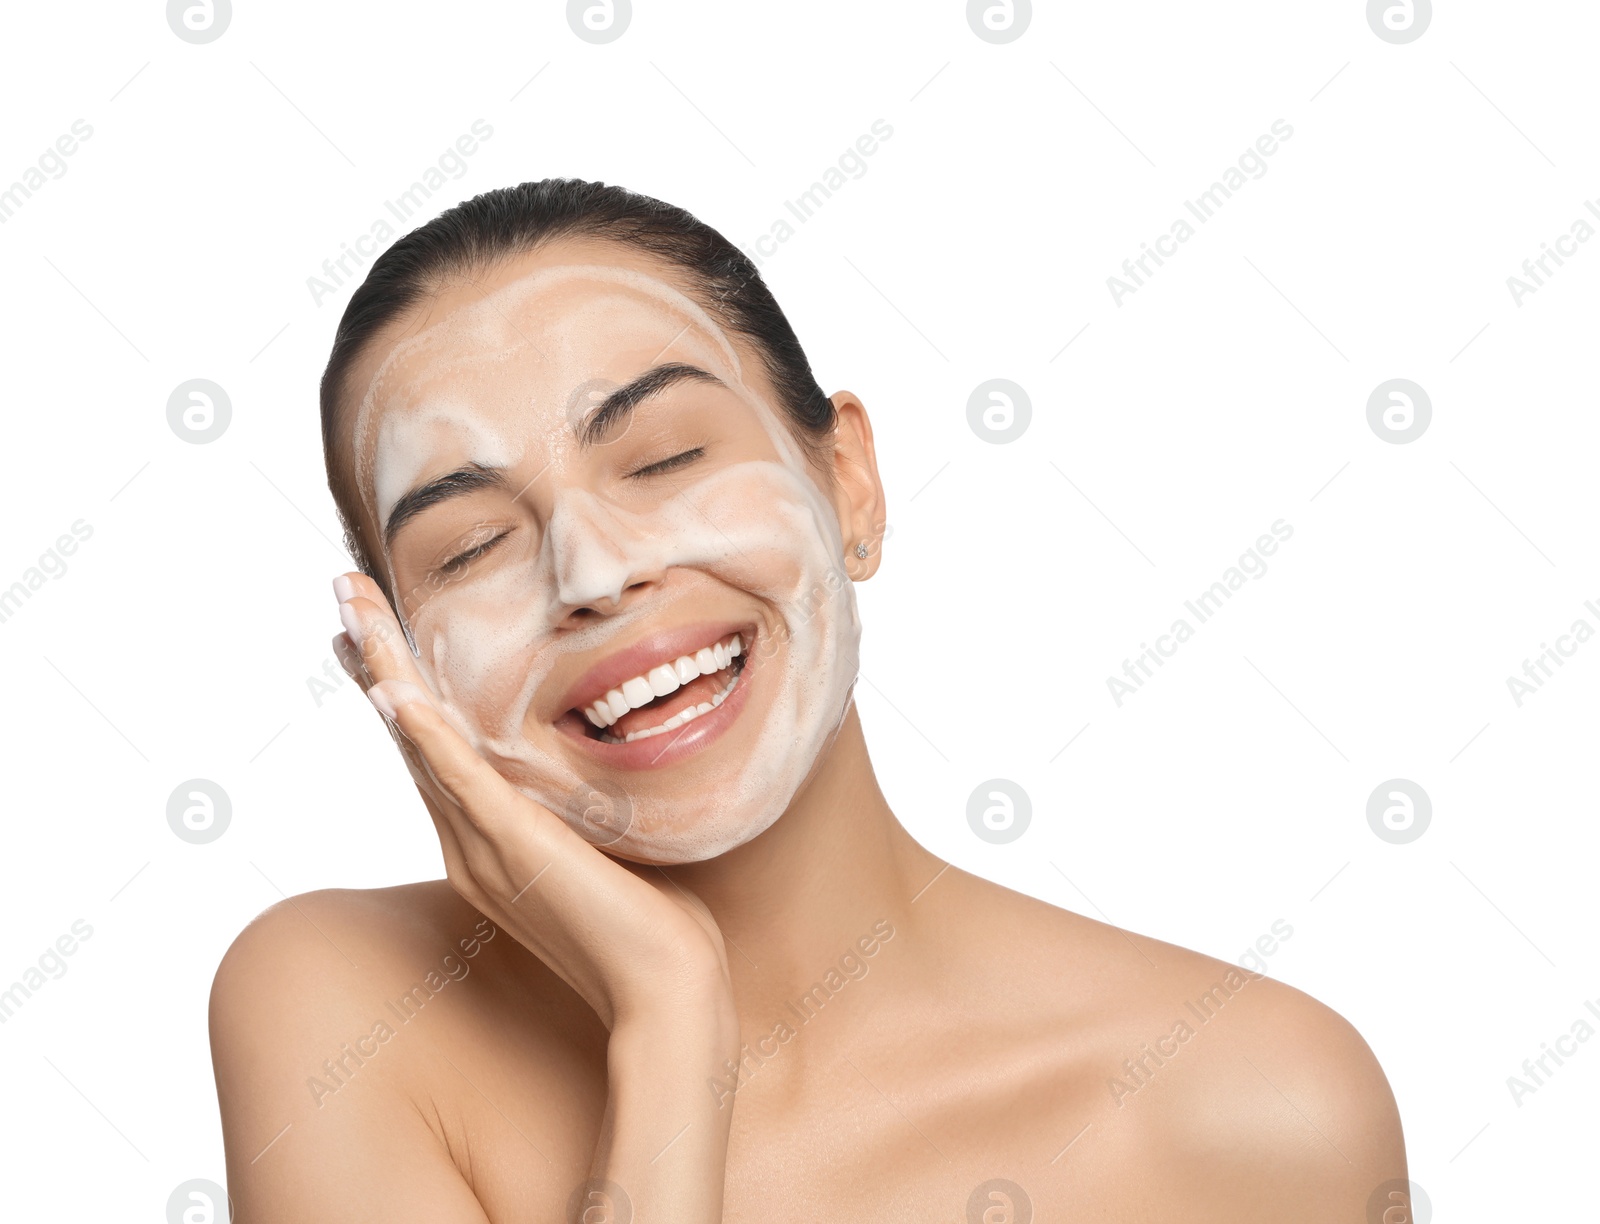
(663, 699)
(668, 695)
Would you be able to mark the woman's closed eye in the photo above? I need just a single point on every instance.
(468, 555)
(461, 560)
(682, 459)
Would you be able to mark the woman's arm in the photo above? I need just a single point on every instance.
(310, 1133)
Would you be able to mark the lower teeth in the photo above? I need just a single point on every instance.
(685, 715)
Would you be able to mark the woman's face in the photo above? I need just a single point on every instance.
(585, 497)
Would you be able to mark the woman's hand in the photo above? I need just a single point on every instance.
(644, 953)
(627, 939)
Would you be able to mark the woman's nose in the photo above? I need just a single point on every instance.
(602, 555)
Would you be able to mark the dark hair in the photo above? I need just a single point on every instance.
(472, 236)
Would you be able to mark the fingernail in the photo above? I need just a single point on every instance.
(390, 695)
(380, 701)
(343, 589)
(352, 625)
(349, 658)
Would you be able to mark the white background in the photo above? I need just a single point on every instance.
(1227, 393)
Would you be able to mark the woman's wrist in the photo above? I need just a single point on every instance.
(684, 1008)
(665, 1042)
(664, 1140)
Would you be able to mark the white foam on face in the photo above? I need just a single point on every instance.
(414, 442)
(493, 382)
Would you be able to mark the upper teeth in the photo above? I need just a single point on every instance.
(667, 678)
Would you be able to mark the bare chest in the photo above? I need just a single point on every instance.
(914, 1129)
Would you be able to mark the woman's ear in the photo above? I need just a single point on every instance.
(857, 490)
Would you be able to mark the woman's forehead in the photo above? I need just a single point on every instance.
(520, 354)
(554, 323)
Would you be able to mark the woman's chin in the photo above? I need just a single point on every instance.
(677, 835)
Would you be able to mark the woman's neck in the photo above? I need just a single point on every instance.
(792, 901)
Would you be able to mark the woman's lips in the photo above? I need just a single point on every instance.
(667, 748)
(643, 656)
(669, 694)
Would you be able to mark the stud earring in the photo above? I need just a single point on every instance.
(861, 550)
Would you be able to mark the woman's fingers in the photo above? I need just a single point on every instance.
(465, 784)
(350, 659)
(462, 776)
(354, 667)
(468, 809)
(375, 635)
(369, 620)
(374, 630)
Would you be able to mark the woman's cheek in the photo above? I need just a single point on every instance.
(770, 536)
(480, 645)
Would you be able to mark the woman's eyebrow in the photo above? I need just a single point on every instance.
(611, 413)
(616, 406)
(453, 484)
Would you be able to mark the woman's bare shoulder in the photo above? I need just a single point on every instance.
(375, 919)
(1229, 1077)
(353, 1033)
(324, 959)
(306, 952)
(311, 971)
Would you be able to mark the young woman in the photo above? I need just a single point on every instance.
(686, 964)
